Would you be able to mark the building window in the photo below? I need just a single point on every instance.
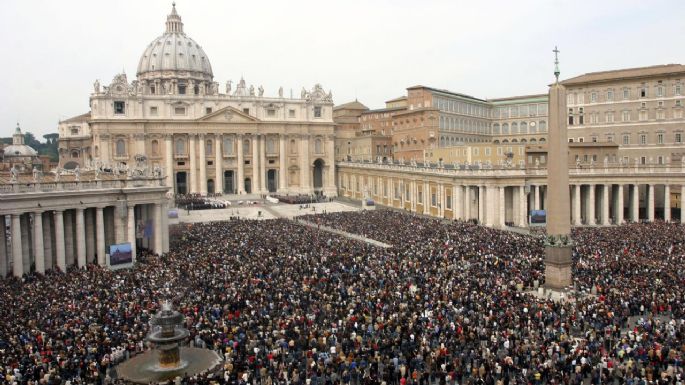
(660, 91)
(179, 110)
(625, 116)
(155, 147)
(317, 112)
(246, 111)
(543, 126)
(119, 108)
(208, 110)
(626, 93)
(153, 111)
(626, 139)
(246, 146)
(74, 153)
(593, 97)
(74, 131)
(677, 89)
(678, 138)
(181, 89)
(660, 159)
(660, 114)
(228, 146)
(318, 146)
(643, 139)
(271, 112)
(120, 147)
(610, 95)
(643, 91)
(610, 138)
(291, 113)
(660, 138)
(581, 140)
(152, 90)
(593, 139)
(643, 116)
(208, 146)
(570, 140)
(180, 147)
(570, 116)
(434, 200)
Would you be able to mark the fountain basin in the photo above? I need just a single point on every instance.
(146, 368)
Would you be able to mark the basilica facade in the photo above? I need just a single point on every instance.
(234, 140)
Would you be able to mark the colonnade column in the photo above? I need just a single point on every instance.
(132, 230)
(305, 185)
(457, 202)
(262, 165)
(48, 251)
(650, 202)
(605, 205)
(3, 248)
(682, 205)
(255, 165)
(330, 162)
(536, 197)
(635, 206)
(590, 212)
(193, 164)
(576, 205)
(203, 165)
(90, 236)
(100, 235)
(60, 249)
(241, 167)
(523, 207)
(17, 252)
(481, 204)
(158, 229)
(467, 202)
(165, 226)
(502, 207)
(667, 202)
(426, 198)
(80, 239)
(619, 205)
(39, 252)
(281, 163)
(442, 201)
(169, 160)
(218, 165)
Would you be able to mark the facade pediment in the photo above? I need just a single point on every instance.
(228, 114)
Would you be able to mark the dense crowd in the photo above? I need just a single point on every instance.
(289, 304)
(200, 202)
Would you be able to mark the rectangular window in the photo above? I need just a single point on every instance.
(317, 112)
(270, 112)
(660, 91)
(678, 138)
(152, 90)
(291, 113)
(609, 118)
(626, 93)
(593, 97)
(643, 160)
(448, 202)
(660, 159)
(208, 110)
(181, 89)
(570, 140)
(678, 89)
(119, 108)
(246, 111)
(626, 139)
(581, 140)
(434, 200)
(594, 139)
(153, 111)
(661, 114)
(610, 138)
(660, 138)
(179, 110)
(610, 95)
(625, 116)
(643, 139)
(420, 197)
(643, 116)
(643, 92)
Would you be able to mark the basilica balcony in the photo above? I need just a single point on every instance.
(180, 156)
(120, 157)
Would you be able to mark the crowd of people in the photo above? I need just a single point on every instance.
(200, 202)
(290, 304)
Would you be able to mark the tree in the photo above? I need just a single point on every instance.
(30, 140)
(51, 138)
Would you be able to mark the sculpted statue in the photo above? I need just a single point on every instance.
(251, 90)
(303, 94)
(165, 86)
(228, 87)
(77, 174)
(280, 92)
(36, 175)
(96, 86)
(13, 174)
(57, 174)
(97, 173)
(261, 91)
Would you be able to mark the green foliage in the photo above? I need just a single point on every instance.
(49, 147)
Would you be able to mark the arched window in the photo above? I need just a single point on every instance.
(246, 146)
(180, 147)
(74, 153)
(533, 140)
(495, 128)
(318, 146)
(533, 127)
(505, 141)
(505, 129)
(270, 146)
(514, 128)
(228, 146)
(208, 147)
(542, 140)
(543, 126)
(523, 128)
(523, 141)
(120, 147)
(442, 141)
(155, 147)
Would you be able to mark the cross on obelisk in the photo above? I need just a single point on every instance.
(556, 63)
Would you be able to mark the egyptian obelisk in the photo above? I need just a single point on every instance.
(558, 244)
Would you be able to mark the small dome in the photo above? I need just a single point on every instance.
(19, 150)
(174, 51)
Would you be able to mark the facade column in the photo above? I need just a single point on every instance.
(100, 235)
(329, 183)
(523, 207)
(158, 229)
(682, 205)
(635, 206)
(90, 236)
(467, 202)
(619, 205)
(481, 204)
(80, 239)
(165, 226)
(443, 202)
(591, 206)
(262, 165)
(169, 161)
(281, 164)
(203, 165)
(667, 202)
(502, 201)
(426, 199)
(576, 205)
(60, 248)
(536, 197)
(605, 205)
(305, 186)
(256, 184)
(132, 230)
(650, 202)
(17, 252)
(38, 250)
(193, 164)
(48, 248)
(4, 263)
(26, 245)
(241, 167)
(218, 165)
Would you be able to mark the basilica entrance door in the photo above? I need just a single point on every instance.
(181, 183)
(228, 182)
(271, 180)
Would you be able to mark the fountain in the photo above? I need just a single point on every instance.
(168, 359)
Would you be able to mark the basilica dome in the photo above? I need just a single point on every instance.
(175, 55)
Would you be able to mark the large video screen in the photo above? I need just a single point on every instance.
(120, 254)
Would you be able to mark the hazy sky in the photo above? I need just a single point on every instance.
(372, 50)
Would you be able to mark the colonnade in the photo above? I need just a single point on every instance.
(56, 238)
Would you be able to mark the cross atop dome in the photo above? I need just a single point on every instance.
(173, 21)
